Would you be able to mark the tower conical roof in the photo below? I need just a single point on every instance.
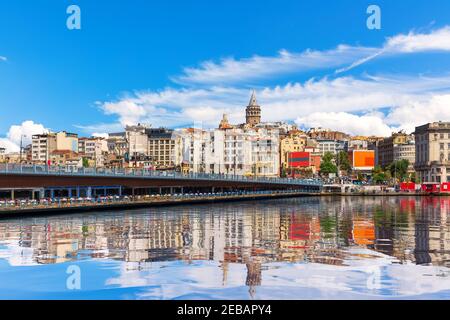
(253, 102)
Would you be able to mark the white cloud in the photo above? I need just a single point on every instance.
(282, 103)
(405, 117)
(8, 145)
(174, 107)
(352, 99)
(436, 40)
(24, 131)
(2, 58)
(231, 70)
(347, 122)
(100, 135)
(408, 116)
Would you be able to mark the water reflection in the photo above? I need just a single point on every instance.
(254, 244)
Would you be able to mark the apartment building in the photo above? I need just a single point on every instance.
(95, 149)
(295, 141)
(117, 144)
(406, 152)
(2, 154)
(66, 158)
(200, 151)
(327, 134)
(399, 146)
(161, 147)
(236, 154)
(234, 151)
(332, 146)
(433, 152)
(137, 140)
(43, 145)
(265, 153)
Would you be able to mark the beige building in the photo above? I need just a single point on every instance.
(117, 144)
(295, 141)
(43, 145)
(66, 158)
(433, 152)
(154, 144)
(161, 147)
(94, 149)
(67, 141)
(2, 154)
(399, 146)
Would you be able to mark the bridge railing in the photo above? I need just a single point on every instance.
(145, 173)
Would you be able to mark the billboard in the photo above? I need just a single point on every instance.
(362, 159)
(299, 159)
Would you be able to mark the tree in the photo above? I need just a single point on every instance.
(327, 166)
(283, 172)
(85, 163)
(378, 175)
(399, 169)
(343, 161)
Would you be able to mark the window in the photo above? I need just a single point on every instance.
(442, 146)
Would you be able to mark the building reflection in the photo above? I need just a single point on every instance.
(301, 230)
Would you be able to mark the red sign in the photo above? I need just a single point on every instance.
(299, 159)
(445, 187)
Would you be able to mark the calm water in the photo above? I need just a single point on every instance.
(306, 248)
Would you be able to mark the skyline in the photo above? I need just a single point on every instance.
(157, 64)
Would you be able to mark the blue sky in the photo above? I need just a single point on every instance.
(173, 63)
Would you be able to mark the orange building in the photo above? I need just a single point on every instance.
(362, 160)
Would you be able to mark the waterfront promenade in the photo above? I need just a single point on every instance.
(11, 208)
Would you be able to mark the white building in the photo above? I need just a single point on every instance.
(201, 150)
(265, 153)
(233, 151)
(137, 140)
(433, 152)
(328, 145)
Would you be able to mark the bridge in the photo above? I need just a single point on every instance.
(38, 182)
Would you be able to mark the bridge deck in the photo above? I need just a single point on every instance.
(53, 171)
